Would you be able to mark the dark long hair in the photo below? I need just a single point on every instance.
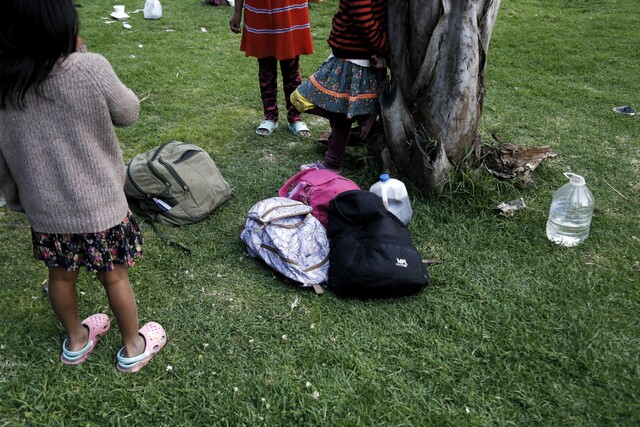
(34, 35)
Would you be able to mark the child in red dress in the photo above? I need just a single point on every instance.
(275, 31)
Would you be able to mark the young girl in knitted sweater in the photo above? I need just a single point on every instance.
(60, 164)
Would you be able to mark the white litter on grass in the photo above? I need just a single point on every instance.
(140, 46)
(171, 31)
(136, 11)
(467, 410)
(169, 368)
(625, 110)
(284, 337)
(295, 303)
(315, 394)
(109, 22)
(127, 26)
(203, 29)
(236, 389)
(132, 56)
(308, 384)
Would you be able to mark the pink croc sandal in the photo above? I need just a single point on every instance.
(155, 338)
(98, 325)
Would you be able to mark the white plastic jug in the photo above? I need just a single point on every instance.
(152, 9)
(570, 212)
(394, 197)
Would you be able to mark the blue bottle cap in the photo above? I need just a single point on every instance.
(384, 177)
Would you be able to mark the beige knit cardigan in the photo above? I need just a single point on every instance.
(60, 161)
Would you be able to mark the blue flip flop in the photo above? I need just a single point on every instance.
(267, 127)
(299, 128)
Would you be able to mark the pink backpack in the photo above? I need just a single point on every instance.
(316, 188)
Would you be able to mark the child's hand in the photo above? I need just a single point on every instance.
(234, 23)
(378, 62)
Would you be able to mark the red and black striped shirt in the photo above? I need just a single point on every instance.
(359, 29)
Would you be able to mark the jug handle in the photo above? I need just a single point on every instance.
(385, 199)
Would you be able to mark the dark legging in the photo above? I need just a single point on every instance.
(340, 131)
(268, 76)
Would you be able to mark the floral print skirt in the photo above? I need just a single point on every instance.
(97, 252)
(340, 86)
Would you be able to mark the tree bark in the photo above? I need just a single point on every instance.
(432, 106)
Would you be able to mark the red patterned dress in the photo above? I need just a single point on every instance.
(276, 28)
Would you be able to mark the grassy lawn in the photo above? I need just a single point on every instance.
(515, 330)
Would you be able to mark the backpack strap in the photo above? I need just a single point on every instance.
(163, 236)
(271, 222)
(284, 190)
(318, 265)
(264, 216)
(160, 148)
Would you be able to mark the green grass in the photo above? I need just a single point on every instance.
(514, 331)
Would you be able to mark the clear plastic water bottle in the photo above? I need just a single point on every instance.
(394, 197)
(570, 213)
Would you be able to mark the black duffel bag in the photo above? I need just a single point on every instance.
(371, 251)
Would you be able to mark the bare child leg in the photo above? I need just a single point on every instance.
(64, 301)
(123, 304)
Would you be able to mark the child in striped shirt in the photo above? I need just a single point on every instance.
(347, 85)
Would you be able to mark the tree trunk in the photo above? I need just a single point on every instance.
(432, 107)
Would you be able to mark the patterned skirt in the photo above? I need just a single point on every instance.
(340, 86)
(98, 252)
